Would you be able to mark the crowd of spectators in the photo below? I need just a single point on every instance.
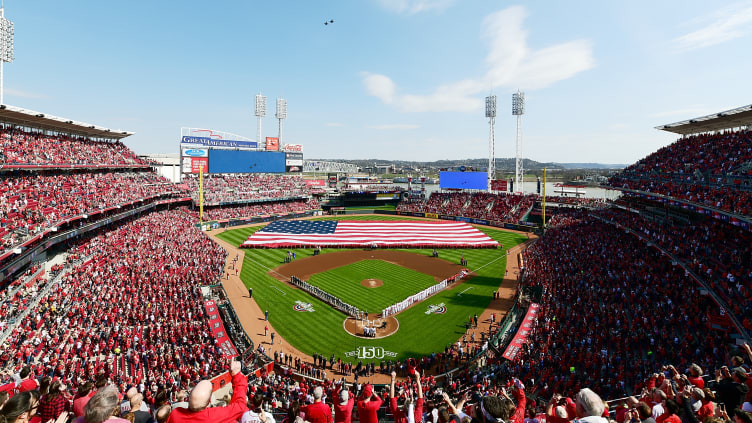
(259, 209)
(479, 205)
(713, 170)
(19, 147)
(719, 253)
(132, 310)
(601, 285)
(220, 188)
(721, 153)
(16, 296)
(31, 203)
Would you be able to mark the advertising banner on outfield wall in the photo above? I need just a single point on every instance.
(211, 142)
(432, 215)
(272, 144)
(194, 164)
(526, 328)
(499, 185)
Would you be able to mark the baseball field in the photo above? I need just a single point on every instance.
(314, 327)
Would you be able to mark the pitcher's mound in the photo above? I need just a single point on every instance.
(372, 283)
(384, 326)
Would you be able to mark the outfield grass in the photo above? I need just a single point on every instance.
(419, 334)
(399, 283)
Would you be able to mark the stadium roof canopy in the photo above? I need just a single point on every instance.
(734, 118)
(29, 118)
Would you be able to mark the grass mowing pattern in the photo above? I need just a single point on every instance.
(399, 283)
(419, 334)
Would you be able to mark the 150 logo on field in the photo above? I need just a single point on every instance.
(370, 352)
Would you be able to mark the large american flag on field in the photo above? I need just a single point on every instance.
(367, 233)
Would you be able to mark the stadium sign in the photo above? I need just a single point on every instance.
(195, 152)
(365, 353)
(436, 309)
(301, 306)
(211, 142)
(297, 148)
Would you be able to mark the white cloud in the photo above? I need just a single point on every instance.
(726, 24)
(511, 64)
(335, 124)
(411, 7)
(22, 94)
(379, 86)
(396, 126)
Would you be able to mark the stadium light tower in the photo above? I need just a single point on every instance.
(491, 115)
(281, 114)
(6, 45)
(518, 109)
(260, 113)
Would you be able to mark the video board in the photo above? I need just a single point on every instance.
(244, 161)
(462, 180)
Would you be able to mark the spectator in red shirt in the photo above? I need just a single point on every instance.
(401, 413)
(318, 412)
(28, 382)
(344, 402)
(198, 402)
(368, 405)
(695, 376)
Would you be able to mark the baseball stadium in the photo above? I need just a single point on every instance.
(245, 279)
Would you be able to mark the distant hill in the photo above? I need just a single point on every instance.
(502, 164)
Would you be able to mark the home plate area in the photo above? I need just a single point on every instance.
(377, 327)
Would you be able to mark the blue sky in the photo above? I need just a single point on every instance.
(391, 79)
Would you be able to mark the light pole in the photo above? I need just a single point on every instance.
(491, 115)
(518, 109)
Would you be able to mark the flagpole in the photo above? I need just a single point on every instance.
(201, 193)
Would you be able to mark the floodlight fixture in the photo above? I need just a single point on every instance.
(6, 45)
(518, 103)
(260, 113)
(281, 108)
(260, 105)
(491, 106)
(281, 114)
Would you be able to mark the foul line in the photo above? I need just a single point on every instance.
(267, 268)
(466, 289)
(489, 263)
(281, 291)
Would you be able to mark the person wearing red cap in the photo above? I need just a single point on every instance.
(368, 405)
(400, 413)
